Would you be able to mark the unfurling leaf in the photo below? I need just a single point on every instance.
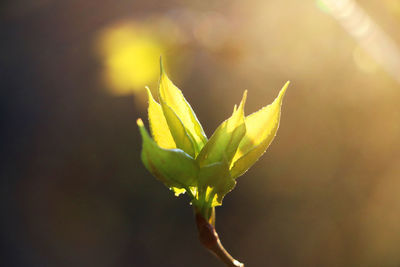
(172, 98)
(225, 140)
(217, 181)
(261, 128)
(176, 169)
(158, 124)
(180, 134)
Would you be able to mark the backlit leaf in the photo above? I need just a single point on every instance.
(225, 140)
(261, 128)
(158, 125)
(217, 178)
(174, 98)
(176, 169)
(182, 138)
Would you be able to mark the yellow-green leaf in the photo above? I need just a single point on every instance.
(182, 138)
(225, 140)
(174, 98)
(261, 128)
(158, 125)
(216, 180)
(176, 169)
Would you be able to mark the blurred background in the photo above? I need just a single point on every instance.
(75, 193)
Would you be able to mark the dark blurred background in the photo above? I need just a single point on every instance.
(75, 193)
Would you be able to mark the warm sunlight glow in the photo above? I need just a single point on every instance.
(130, 57)
(379, 45)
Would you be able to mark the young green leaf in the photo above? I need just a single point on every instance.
(180, 134)
(261, 128)
(174, 98)
(176, 169)
(158, 124)
(216, 179)
(225, 140)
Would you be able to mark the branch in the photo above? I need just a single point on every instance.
(209, 238)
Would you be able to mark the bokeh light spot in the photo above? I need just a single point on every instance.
(130, 57)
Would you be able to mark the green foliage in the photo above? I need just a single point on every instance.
(181, 156)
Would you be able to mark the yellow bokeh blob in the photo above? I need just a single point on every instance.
(130, 57)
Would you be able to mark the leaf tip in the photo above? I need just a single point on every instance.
(149, 95)
(283, 90)
(282, 93)
(139, 122)
(244, 96)
(234, 108)
(243, 102)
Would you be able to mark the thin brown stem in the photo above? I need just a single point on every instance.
(209, 238)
